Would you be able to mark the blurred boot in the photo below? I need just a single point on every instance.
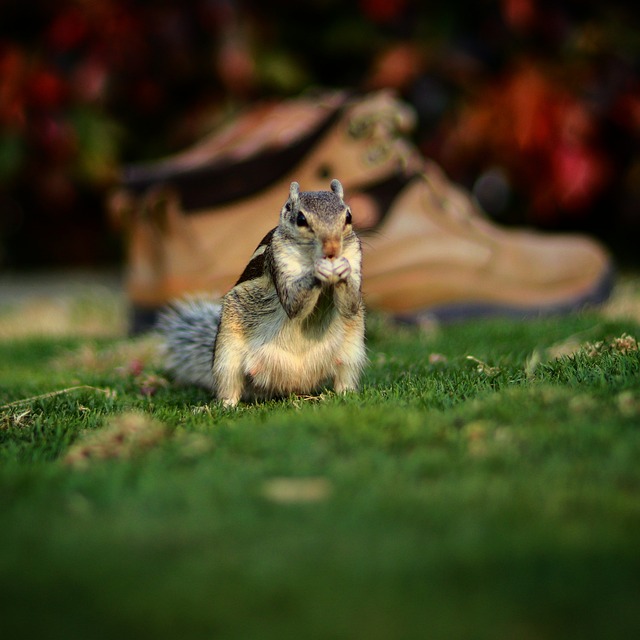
(194, 219)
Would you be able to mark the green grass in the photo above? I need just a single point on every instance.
(453, 498)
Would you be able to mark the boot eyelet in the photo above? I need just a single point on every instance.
(376, 155)
(358, 129)
(324, 171)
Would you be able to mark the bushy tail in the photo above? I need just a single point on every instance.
(189, 329)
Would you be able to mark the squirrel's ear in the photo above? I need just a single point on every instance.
(336, 187)
(294, 194)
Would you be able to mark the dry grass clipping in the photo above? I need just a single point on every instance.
(109, 393)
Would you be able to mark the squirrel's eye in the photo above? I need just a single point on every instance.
(348, 218)
(301, 221)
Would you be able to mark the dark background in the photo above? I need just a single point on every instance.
(533, 105)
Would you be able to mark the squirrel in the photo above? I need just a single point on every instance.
(293, 321)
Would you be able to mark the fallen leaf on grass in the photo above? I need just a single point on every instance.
(582, 403)
(296, 490)
(149, 384)
(623, 344)
(628, 403)
(123, 437)
(194, 445)
(483, 438)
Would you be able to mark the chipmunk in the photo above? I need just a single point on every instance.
(294, 319)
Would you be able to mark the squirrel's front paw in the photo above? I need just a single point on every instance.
(333, 271)
(325, 271)
(341, 269)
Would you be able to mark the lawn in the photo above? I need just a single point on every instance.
(485, 483)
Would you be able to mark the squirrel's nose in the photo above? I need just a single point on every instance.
(331, 249)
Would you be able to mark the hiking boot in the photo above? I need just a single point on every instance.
(194, 219)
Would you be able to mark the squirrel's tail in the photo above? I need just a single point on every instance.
(189, 329)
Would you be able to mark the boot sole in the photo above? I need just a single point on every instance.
(468, 311)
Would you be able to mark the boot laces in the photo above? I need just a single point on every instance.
(387, 125)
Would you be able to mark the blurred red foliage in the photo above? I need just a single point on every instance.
(538, 99)
(546, 139)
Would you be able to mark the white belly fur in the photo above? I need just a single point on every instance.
(294, 359)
